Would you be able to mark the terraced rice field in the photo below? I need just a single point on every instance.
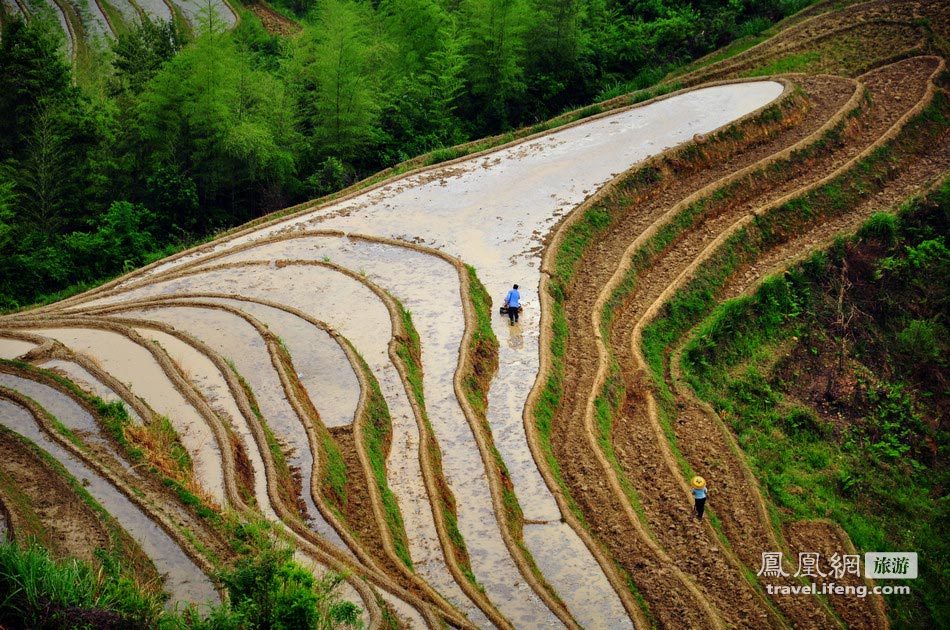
(91, 24)
(342, 371)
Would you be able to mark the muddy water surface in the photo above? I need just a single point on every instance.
(410, 276)
(137, 368)
(12, 348)
(89, 384)
(64, 408)
(566, 562)
(209, 382)
(183, 579)
(237, 340)
(428, 287)
(321, 364)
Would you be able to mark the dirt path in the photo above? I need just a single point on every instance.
(893, 91)
(828, 539)
(573, 450)
(911, 176)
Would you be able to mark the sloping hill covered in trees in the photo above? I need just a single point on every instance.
(176, 132)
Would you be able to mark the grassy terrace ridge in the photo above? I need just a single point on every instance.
(156, 449)
(288, 481)
(409, 350)
(44, 592)
(812, 463)
(377, 435)
(577, 238)
(695, 300)
(482, 367)
(154, 444)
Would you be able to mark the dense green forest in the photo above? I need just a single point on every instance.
(177, 135)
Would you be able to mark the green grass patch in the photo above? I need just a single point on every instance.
(335, 472)
(870, 474)
(377, 432)
(287, 487)
(266, 589)
(45, 593)
(795, 62)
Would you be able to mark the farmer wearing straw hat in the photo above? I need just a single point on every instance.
(699, 493)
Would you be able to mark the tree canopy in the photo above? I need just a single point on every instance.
(185, 133)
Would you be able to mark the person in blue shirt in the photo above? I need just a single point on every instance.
(513, 303)
(699, 494)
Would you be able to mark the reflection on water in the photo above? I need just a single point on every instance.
(12, 348)
(515, 337)
(137, 368)
(183, 579)
(235, 339)
(493, 212)
(89, 383)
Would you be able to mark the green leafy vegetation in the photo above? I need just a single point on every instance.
(266, 590)
(830, 377)
(377, 433)
(176, 136)
(44, 593)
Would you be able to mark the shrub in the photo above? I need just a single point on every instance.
(803, 422)
(269, 590)
(881, 226)
(920, 341)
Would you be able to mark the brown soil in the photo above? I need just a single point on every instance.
(659, 488)
(272, 21)
(67, 525)
(243, 470)
(357, 506)
(154, 497)
(581, 471)
(827, 539)
(893, 91)
(911, 174)
(910, 177)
